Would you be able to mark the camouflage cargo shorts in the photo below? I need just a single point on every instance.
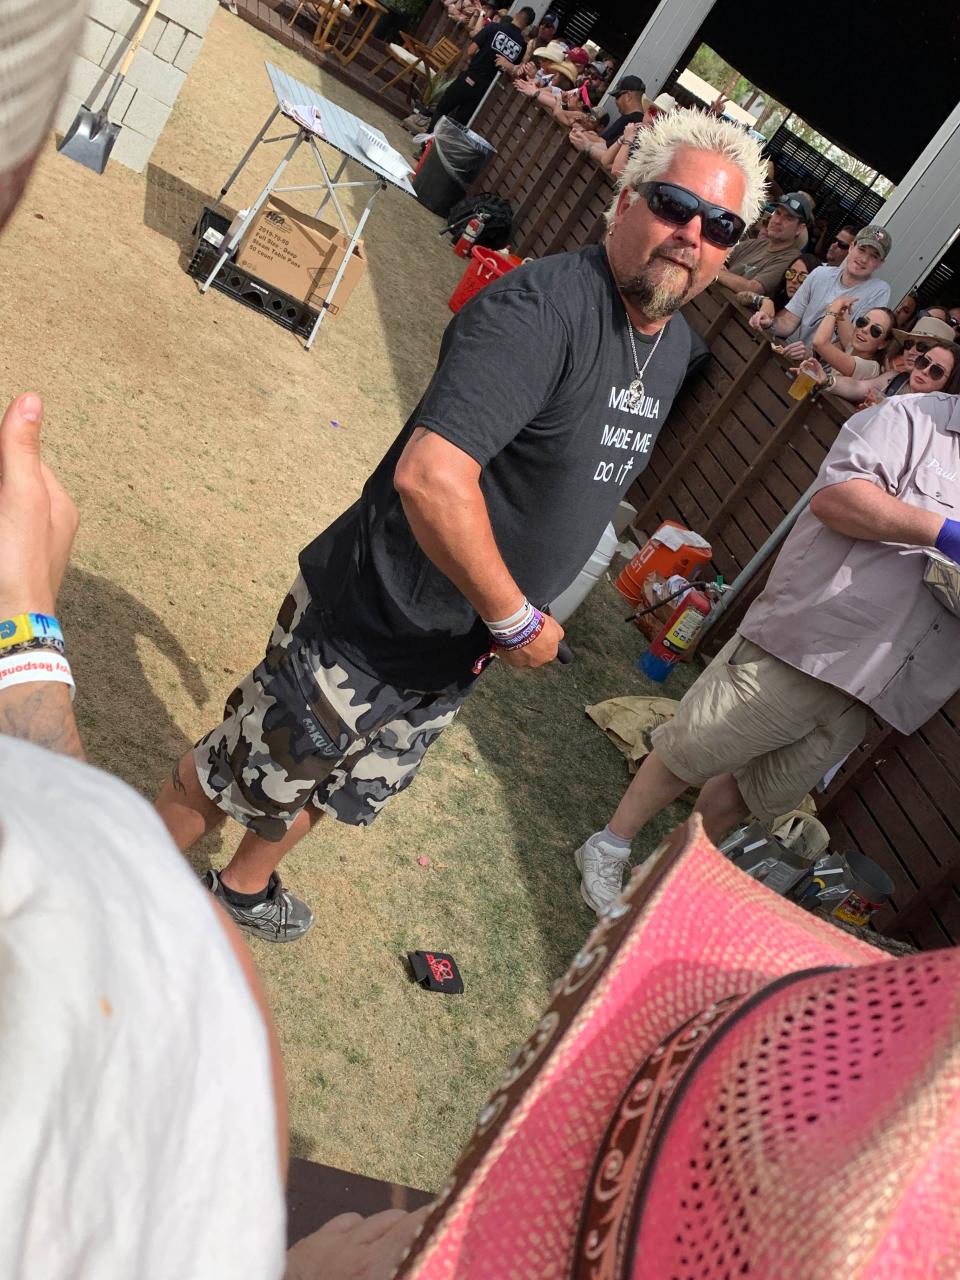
(306, 726)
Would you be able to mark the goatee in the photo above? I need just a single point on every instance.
(656, 298)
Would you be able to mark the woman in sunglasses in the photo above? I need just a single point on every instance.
(859, 355)
(793, 278)
(936, 368)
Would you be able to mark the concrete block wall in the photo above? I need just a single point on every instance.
(162, 63)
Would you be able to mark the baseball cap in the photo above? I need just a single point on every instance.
(878, 238)
(579, 57)
(628, 84)
(550, 20)
(799, 204)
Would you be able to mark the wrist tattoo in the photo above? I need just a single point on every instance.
(41, 713)
(177, 781)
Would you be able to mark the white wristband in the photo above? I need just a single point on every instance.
(31, 665)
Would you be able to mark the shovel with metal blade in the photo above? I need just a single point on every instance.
(91, 136)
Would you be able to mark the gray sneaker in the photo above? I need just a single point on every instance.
(602, 870)
(281, 918)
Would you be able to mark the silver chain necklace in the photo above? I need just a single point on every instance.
(635, 392)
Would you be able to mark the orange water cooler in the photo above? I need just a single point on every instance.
(671, 550)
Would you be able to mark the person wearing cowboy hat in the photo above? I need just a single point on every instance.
(757, 266)
(614, 160)
(932, 342)
(852, 279)
(628, 94)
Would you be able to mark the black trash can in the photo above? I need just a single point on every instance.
(455, 159)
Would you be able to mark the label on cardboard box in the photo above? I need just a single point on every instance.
(300, 255)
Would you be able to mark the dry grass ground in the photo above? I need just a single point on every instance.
(196, 438)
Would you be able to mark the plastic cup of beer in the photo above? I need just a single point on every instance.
(802, 385)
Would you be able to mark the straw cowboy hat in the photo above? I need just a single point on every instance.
(555, 51)
(663, 102)
(566, 69)
(723, 1085)
(928, 327)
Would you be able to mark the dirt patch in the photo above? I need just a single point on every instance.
(197, 438)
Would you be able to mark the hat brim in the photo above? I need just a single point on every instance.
(903, 334)
(691, 929)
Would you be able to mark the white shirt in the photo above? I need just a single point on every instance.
(824, 285)
(137, 1121)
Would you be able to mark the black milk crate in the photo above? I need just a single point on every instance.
(249, 289)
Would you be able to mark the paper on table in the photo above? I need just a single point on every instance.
(305, 114)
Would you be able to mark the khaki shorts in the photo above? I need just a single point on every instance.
(776, 729)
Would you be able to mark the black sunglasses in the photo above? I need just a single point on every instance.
(922, 347)
(876, 330)
(678, 206)
(936, 371)
(844, 244)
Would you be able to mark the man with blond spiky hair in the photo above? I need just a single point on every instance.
(550, 390)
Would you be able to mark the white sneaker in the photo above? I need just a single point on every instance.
(602, 870)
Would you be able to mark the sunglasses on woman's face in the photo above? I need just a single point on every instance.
(876, 330)
(678, 206)
(925, 365)
(790, 275)
(922, 347)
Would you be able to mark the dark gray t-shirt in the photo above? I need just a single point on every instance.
(531, 382)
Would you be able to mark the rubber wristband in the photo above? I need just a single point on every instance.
(948, 539)
(506, 623)
(35, 666)
(28, 626)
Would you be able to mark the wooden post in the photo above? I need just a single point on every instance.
(710, 427)
(536, 191)
(543, 129)
(791, 422)
(594, 182)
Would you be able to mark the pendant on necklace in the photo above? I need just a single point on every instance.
(634, 393)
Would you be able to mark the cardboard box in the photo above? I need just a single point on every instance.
(300, 255)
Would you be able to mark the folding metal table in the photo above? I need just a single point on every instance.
(342, 132)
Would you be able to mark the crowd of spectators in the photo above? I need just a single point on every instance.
(804, 278)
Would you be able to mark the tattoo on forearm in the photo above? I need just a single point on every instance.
(41, 713)
(177, 780)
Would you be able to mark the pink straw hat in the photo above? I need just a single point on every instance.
(723, 1086)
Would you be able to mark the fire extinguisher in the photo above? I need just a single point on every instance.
(471, 233)
(679, 632)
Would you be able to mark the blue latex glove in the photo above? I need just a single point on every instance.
(948, 539)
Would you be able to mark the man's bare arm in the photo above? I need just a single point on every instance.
(785, 323)
(41, 713)
(740, 284)
(38, 522)
(860, 509)
(439, 487)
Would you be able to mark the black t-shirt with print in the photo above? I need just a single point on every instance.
(613, 131)
(494, 41)
(531, 382)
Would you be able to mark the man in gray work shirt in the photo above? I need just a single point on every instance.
(845, 623)
(823, 286)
